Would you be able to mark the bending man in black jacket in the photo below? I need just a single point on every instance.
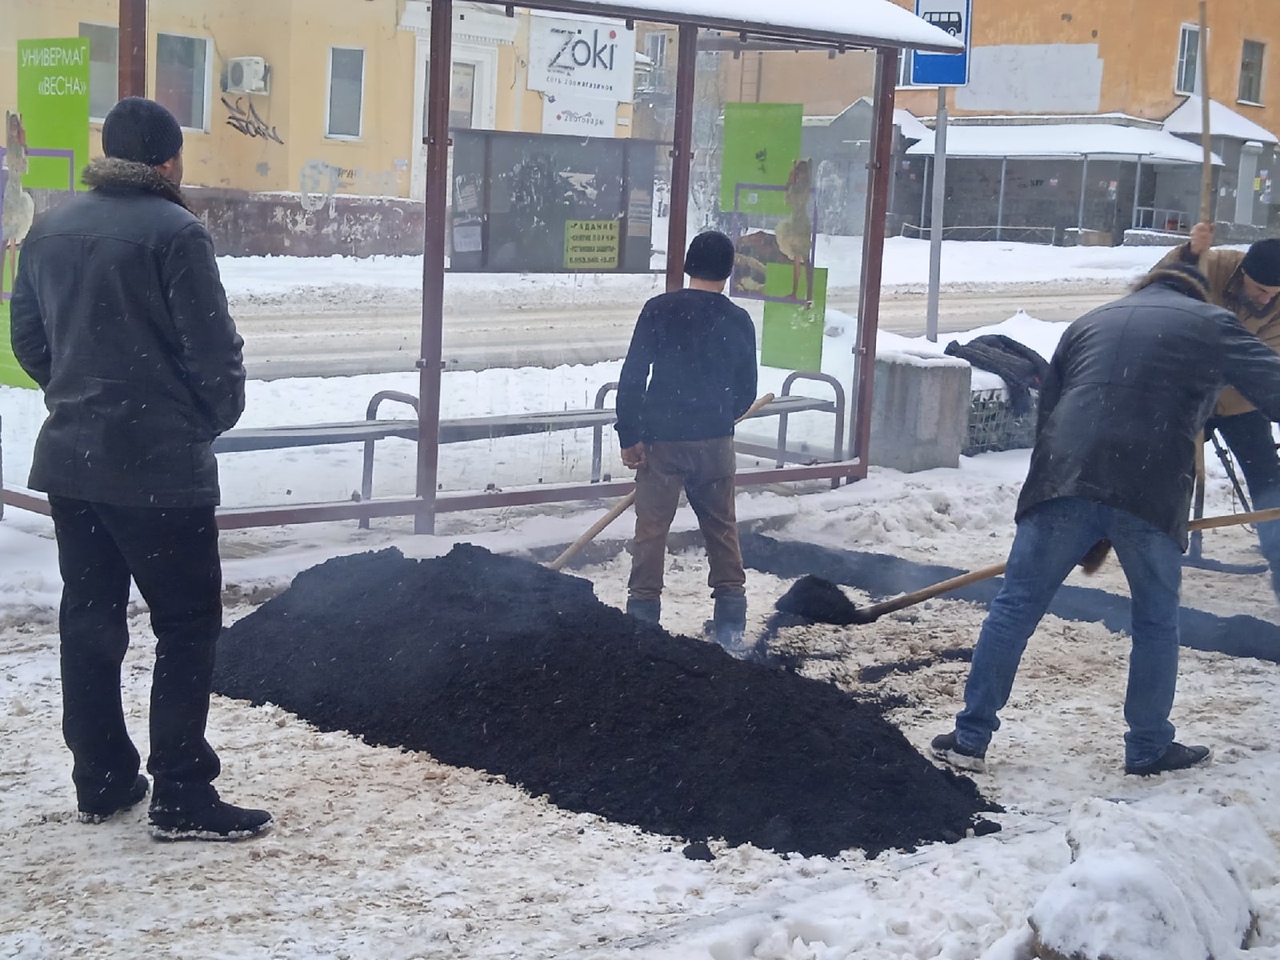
(1129, 389)
(690, 373)
(119, 315)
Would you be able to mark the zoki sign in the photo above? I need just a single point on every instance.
(585, 56)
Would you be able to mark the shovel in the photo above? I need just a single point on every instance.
(811, 593)
(621, 506)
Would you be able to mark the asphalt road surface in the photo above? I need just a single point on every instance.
(372, 341)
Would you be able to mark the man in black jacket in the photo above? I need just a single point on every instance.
(1129, 389)
(690, 373)
(119, 315)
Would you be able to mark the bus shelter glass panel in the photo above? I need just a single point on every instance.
(55, 66)
(782, 141)
(558, 194)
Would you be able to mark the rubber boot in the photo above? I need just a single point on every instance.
(730, 624)
(650, 611)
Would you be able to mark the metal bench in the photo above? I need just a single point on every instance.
(597, 418)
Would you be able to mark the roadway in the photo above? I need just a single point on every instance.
(356, 341)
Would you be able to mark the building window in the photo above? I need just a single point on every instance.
(104, 67)
(655, 48)
(1188, 59)
(346, 92)
(1251, 71)
(182, 78)
(462, 96)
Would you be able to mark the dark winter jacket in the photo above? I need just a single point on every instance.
(1021, 368)
(701, 349)
(1128, 391)
(119, 315)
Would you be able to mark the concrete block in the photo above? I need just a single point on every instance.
(919, 411)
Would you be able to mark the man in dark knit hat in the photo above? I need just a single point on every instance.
(1247, 284)
(690, 372)
(119, 315)
(1129, 389)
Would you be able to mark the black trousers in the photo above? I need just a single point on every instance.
(172, 554)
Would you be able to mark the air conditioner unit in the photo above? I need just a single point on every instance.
(248, 75)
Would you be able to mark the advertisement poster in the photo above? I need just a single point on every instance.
(791, 337)
(761, 146)
(591, 244)
(584, 55)
(53, 100)
(11, 374)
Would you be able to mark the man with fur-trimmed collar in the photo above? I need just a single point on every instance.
(119, 315)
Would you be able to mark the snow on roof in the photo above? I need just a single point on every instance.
(910, 125)
(852, 22)
(1069, 140)
(1223, 122)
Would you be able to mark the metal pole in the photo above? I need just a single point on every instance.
(1084, 188)
(1206, 138)
(935, 226)
(682, 154)
(431, 359)
(1004, 169)
(881, 161)
(133, 48)
(1137, 195)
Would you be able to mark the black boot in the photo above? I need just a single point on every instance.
(206, 818)
(650, 611)
(730, 624)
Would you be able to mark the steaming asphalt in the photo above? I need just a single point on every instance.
(373, 340)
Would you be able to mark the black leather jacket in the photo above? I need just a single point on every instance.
(119, 315)
(1128, 391)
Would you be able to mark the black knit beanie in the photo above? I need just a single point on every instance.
(1262, 263)
(142, 131)
(710, 256)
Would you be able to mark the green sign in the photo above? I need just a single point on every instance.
(11, 374)
(791, 337)
(761, 145)
(53, 99)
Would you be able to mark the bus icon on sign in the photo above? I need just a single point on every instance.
(950, 21)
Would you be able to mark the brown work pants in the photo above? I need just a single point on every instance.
(704, 470)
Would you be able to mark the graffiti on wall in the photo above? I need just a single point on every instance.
(248, 122)
(320, 181)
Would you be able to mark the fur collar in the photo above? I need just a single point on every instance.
(114, 173)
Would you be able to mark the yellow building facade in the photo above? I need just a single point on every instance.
(1135, 57)
(311, 96)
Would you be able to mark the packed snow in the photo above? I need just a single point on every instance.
(380, 853)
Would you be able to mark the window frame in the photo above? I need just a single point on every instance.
(207, 105)
(1262, 73)
(328, 95)
(1179, 63)
(115, 27)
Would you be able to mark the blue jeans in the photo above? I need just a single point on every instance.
(1052, 539)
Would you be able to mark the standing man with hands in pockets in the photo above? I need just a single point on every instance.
(690, 372)
(118, 314)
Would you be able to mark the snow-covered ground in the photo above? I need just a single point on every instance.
(268, 284)
(379, 853)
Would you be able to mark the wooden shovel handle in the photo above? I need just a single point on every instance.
(986, 573)
(620, 507)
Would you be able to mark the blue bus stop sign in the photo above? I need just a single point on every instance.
(944, 69)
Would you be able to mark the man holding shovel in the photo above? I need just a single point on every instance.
(1129, 390)
(1247, 284)
(690, 372)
